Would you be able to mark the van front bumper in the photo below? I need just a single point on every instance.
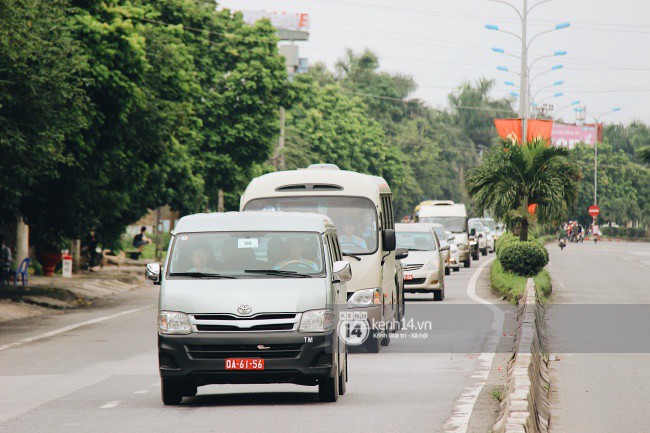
(289, 357)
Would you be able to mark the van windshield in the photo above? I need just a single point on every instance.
(355, 217)
(454, 224)
(415, 241)
(246, 254)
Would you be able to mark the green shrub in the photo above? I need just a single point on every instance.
(523, 258)
(543, 284)
(504, 239)
(624, 232)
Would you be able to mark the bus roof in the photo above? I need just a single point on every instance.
(323, 179)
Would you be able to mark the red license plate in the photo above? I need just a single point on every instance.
(244, 364)
(408, 277)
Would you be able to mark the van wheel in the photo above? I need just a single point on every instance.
(458, 268)
(439, 295)
(484, 251)
(373, 344)
(467, 263)
(447, 270)
(190, 390)
(328, 389)
(172, 392)
(386, 340)
(475, 255)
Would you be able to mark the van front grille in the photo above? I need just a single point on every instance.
(413, 266)
(230, 328)
(224, 322)
(215, 351)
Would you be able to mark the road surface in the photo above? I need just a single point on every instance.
(102, 377)
(600, 382)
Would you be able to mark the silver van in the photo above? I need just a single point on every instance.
(251, 298)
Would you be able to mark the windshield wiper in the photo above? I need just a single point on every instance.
(199, 275)
(354, 256)
(277, 272)
(415, 249)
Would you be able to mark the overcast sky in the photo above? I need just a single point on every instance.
(443, 42)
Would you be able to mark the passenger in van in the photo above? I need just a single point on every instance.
(202, 259)
(347, 236)
(296, 251)
(276, 251)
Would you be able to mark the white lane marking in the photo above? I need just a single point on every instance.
(144, 391)
(110, 404)
(462, 412)
(70, 328)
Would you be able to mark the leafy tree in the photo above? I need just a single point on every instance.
(474, 111)
(512, 177)
(41, 97)
(328, 125)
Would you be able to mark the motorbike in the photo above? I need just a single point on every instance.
(562, 243)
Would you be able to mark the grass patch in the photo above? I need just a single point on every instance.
(509, 285)
(512, 286)
(543, 285)
(498, 393)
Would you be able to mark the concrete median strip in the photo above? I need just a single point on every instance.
(525, 406)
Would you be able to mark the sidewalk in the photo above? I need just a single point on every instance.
(46, 293)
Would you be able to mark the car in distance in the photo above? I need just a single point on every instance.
(424, 266)
(251, 297)
(476, 227)
(454, 256)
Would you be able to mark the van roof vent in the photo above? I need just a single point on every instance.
(310, 187)
(323, 167)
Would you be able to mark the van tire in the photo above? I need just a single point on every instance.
(190, 390)
(373, 344)
(328, 388)
(447, 270)
(439, 295)
(172, 392)
(475, 255)
(457, 269)
(484, 251)
(386, 340)
(467, 263)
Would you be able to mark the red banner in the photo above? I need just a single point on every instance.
(535, 129)
(539, 129)
(509, 128)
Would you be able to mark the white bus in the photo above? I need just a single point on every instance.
(453, 216)
(361, 207)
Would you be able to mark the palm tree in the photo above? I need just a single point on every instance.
(513, 177)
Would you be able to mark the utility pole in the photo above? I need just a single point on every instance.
(523, 82)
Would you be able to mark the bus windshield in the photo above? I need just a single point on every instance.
(454, 224)
(354, 217)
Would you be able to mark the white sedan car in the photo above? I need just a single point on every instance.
(454, 257)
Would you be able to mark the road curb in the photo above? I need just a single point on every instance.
(525, 406)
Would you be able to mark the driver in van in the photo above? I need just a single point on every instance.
(296, 251)
(201, 259)
(347, 236)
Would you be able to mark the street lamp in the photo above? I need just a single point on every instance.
(524, 103)
(597, 120)
(555, 84)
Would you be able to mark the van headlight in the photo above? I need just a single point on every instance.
(431, 266)
(173, 322)
(365, 298)
(317, 321)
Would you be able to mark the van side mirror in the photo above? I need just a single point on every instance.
(152, 272)
(341, 272)
(401, 253)
(388, 240)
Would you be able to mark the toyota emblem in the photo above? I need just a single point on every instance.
(244, 309)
